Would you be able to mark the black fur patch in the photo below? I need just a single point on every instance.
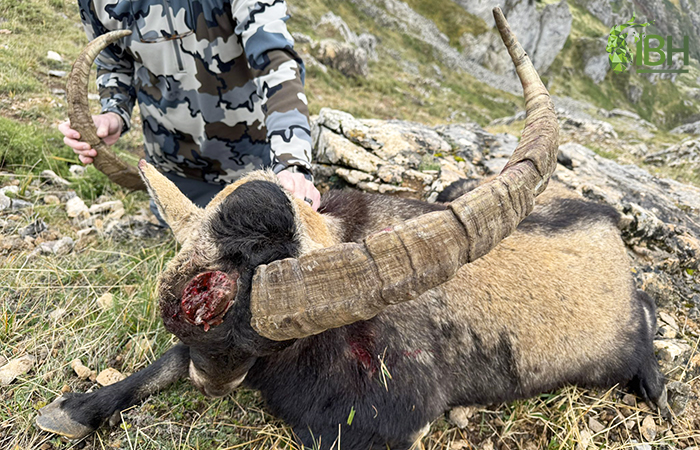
(255, 225)
(565, 213)
(349, 206)
(457, 189)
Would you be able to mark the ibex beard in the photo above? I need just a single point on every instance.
(389, 309)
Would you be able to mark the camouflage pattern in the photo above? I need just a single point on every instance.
(219, 85)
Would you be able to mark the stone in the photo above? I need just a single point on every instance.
(629, 399)
(11, 189)
(666, 332)
(460, 415)
(109, 376)
(15, 368)
(349, 60)
(76, 170)
(335, 149)
(76, 208)
(555, 26)
(53, 56)
(106, 207)
(668, 319)
(648, 428)
(57, 314)
(679, 395)
(688, 128)
(105, 301)
(51, 199)
(671, 350)
(58, 73)
(586, 439)
(63, 246)
(352, 176)
(595, 426)
(82, 371)
(34, 229)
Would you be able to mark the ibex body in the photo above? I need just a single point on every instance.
(362, 324)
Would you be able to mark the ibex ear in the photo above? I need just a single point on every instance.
(177, 210)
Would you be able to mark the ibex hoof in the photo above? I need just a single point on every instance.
(55, 419)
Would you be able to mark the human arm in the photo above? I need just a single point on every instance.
(279, 75)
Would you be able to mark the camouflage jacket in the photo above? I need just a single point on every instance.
(219, 85)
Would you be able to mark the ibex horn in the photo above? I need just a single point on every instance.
(339, 285)
(106, 161)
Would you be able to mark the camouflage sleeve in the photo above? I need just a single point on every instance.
(279, 75)
(115, 69)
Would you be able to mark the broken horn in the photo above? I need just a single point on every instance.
(339, 285)
(106, 161)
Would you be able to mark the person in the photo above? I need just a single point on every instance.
(219, 87)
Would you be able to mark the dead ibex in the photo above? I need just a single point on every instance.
(369, 306)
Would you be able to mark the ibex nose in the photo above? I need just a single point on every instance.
(207, 298)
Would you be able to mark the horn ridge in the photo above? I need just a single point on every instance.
(106, 161)
(339, 285)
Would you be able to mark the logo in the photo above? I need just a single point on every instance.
(621, 57)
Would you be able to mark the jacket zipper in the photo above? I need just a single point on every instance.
(168, 15)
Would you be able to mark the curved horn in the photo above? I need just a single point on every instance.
(336, 286)
(80, 119)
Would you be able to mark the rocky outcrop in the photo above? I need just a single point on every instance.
(541, 33)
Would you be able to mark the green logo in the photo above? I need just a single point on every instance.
(619, 53)
(621, 58)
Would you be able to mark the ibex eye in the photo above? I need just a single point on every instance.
(207, 298)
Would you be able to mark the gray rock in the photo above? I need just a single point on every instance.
(688, 128)
(58, 73)
(687, 153)
(334, 27)
(53, 56)
(76, 170)
(349, 60)
(555, 26)
(33, 229)
(601, 9)
(678, 396)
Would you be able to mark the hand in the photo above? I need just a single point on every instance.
(109, 127)
(300, 187)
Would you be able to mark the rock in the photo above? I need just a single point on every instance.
(337, 150)
(57, 73)
(555, 26)
(77, 171)
(671, 350)
(668, 319)
(82, 371)
(368, 43)
(106, 207)
(63, 246)
(11, 189)
(586, 439)
(629, 399)
(58, 91)
(12, 203)
(15, 368)
(648, 428)
(33, 229)
(352, 176)
(678, 396)
(333, 26)
(109, 376)
(53, 56)
(666, 332)
(85, 232)
(50, 199)
(595, 426)
(76, 208)
(349, 60)
(687, 153)
(57, 314)
(688, 128)
(460, 415)
(105, 301)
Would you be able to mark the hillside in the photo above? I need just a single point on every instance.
(80, 256)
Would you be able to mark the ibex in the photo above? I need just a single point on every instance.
(394, 309)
